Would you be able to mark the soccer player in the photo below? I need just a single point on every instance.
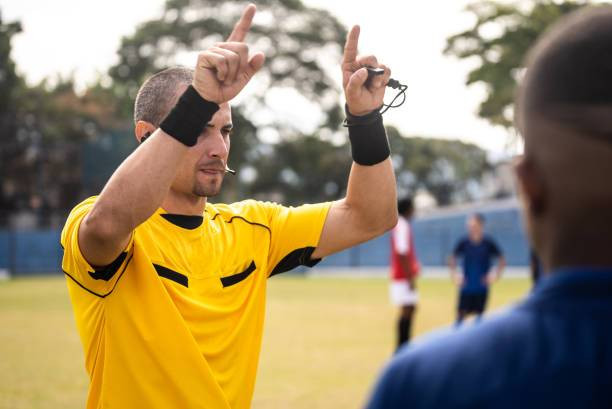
(168, 290)
(477, 252)
(404, 270)
(553, 350)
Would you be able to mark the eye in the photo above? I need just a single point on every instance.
(226, 132)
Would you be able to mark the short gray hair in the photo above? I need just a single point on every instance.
(159, 94)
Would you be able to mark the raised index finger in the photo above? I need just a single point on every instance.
(350, 48)
(243, 25)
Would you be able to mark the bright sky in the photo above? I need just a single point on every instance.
(81, 37)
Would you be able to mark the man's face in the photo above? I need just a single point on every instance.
(474, 226)
(202, 172)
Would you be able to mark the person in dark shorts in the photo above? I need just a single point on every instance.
(477, 252)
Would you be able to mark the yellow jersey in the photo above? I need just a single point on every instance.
(176, 321)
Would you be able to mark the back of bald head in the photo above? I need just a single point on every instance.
(569, 75)
(564, 112)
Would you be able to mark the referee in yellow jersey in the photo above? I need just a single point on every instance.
(169, 290)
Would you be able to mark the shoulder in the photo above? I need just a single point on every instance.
(457, 365)
(84, 206)
(491, 243)
(462, 242)
(78, 212)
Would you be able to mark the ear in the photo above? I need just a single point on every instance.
(142, 130)
(531, 186)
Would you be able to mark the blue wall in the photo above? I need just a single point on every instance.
(435, 238)
(27, 252)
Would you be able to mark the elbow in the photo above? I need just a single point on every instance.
(385, 222)
(390, 221)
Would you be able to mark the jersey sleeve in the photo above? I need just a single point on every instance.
(494, 248)
(97, 280)
(459, 248)
(295, 234)
(401, 237)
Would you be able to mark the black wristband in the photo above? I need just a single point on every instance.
(189, 117)
(369, 144)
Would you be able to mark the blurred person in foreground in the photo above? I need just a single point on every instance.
(404, 270)
(477, 252)
(168, 290)
(554, 350)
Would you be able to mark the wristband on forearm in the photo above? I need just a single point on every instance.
(189, 117)
(369, 144)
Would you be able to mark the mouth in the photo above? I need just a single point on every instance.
(212, 171)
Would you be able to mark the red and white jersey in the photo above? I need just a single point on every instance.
(402, 244)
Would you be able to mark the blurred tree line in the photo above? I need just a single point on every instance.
(58, 145)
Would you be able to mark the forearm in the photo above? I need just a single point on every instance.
(371, 196)
(501, 264)
(139, 185)
(452, 265)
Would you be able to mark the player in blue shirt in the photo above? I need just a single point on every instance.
(477, 252)
(554, 350)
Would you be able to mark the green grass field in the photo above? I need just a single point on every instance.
(325, 340)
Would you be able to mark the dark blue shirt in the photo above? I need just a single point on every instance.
(552, 351)
(477, 259)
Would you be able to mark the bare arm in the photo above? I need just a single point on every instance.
(132, 195)
(369, 208)
(452, 265)
(501, 264)
(138, 187)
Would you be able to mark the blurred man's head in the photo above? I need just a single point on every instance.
(405, 207)
(202, 172)
(564, 112)
(475, 225)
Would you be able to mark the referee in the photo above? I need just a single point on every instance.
(168, 290)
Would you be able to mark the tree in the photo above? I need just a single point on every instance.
(307, 169)
(41, 128)
(298, 42)
(10, 85)
(446, 169)
(499, 41)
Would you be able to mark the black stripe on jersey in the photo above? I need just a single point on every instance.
(236, 278)
(95, 293)
(299, 257)
(183, 220)
(107, 272)
(243, 219)
(171, 275)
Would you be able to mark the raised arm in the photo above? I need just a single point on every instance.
(369, 208)
(140, 184)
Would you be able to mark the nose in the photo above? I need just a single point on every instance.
(217, 147)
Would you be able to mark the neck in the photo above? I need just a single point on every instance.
(579, 252)
(588, 245)
(476, 239)
(181, 203)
